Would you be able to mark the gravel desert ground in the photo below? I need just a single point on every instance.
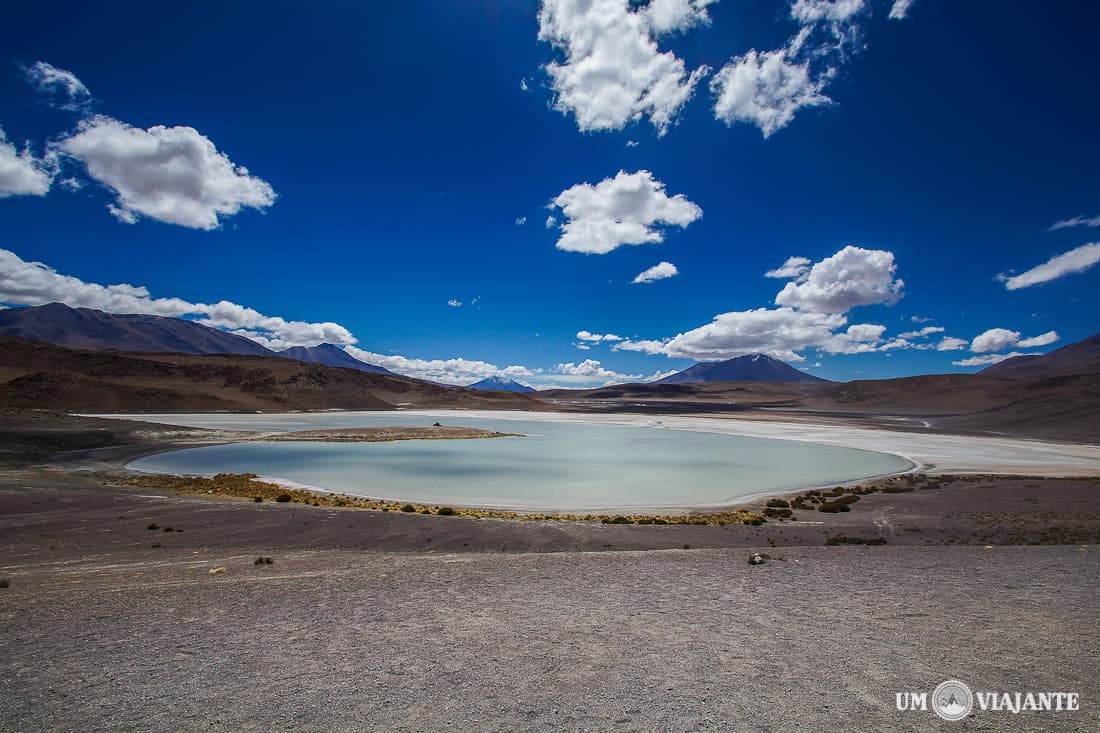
(139, 609)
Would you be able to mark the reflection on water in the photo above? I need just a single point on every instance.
(557, 466)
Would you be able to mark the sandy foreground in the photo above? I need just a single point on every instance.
(371, 621)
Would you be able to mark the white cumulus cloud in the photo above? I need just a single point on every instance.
(1067, 263)
(34, 283)
(59, 87)
(21, 174)
(660, 271)
(766, 89)
(950, 343)
(613, 72)
(998, 339)
(597, 337)
(812, 311)
(521, 220)
(448, 371)
(780, 332)
(1044, 339)
(852, 277)
(995, 339)
(171, 174)
(590, 369)
(645, 346)
(630, 208)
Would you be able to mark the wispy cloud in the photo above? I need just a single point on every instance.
(1077, 221)
(1074, 261)
(60, 88)
(900, 9)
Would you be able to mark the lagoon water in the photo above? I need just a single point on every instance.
(557, 465)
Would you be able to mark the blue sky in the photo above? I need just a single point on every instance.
(916, 164)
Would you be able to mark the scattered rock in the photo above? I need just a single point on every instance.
(758, 558)
(215, 571)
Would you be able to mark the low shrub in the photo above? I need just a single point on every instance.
(283, 497)
(616, 520)
(154, 525)
(838, 505)
(778, 513)
(4, 583)
(446, 511)
(264, 560)
(409, 508)
(258, 499)
(778, 504)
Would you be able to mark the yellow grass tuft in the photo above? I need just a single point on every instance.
(245, 486)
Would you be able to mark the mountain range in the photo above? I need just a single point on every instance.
(44, 376)
(85, 328)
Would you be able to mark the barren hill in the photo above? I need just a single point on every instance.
(38, 375)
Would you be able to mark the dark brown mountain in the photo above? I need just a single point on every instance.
(1082, 357)
(85, 328)
(747, 368)
(39, 375)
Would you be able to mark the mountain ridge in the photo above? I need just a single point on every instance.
(87, 328)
